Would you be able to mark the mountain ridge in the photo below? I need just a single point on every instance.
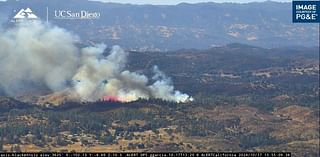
(171, 27)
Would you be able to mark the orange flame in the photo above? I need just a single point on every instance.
(111, 98)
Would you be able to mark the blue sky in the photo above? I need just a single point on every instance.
(173, 2)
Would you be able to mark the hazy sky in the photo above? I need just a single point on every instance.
(172, 2)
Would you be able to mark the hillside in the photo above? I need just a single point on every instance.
(245, 99)
(161, 28)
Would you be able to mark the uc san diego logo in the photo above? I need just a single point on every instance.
(306, 11)
(83, 14)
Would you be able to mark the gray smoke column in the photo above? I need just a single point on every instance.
(34, 53)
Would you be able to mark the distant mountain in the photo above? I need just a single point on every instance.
(169, 27)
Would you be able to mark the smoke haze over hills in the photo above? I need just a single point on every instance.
(35, 53)
(161, 28)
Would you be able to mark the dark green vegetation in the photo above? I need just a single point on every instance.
(246, 99)
(241, 74)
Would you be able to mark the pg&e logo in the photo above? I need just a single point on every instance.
(306, 11)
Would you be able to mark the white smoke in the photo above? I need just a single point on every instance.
(34, 53)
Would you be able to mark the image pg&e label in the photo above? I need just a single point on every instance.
(305, 11)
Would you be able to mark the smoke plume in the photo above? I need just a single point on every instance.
(34, 54)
